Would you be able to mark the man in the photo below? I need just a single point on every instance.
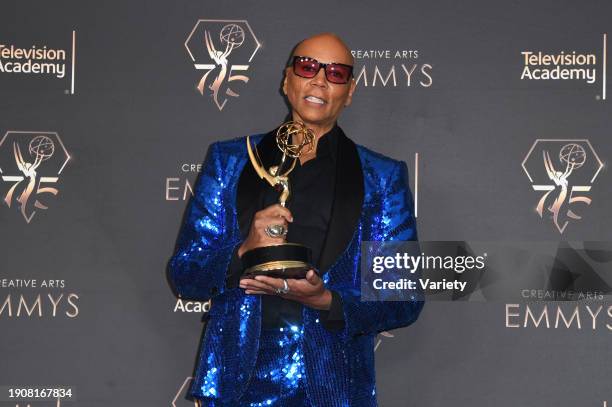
(294, 342)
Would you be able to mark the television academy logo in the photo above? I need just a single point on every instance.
(40, 61)
(563, 172)
(566, 66)
(30, 166)
(222, 50)
(187, 306)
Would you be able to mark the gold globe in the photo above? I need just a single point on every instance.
(285, 134)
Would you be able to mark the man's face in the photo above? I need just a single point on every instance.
(316, 101)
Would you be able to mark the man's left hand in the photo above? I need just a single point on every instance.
(309, 291)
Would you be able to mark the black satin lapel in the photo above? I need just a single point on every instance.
(250, 186)
(348, 200)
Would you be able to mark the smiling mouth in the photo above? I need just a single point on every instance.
(313, 99)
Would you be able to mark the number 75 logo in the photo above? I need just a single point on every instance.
(28, 161)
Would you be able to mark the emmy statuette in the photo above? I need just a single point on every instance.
(284, 260)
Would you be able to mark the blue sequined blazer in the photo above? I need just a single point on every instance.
(372, 202)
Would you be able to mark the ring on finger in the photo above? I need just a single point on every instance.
(285, 289)
(276, 231)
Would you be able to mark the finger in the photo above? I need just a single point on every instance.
(244, 283)
(278, 210)
(258, 285)
(272, 282)
(312, 277)
(257, 292)
(249, 284)
(273, 220)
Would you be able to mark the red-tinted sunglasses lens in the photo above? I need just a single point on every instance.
(306, 68)
(336, 73)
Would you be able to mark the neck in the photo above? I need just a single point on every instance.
(319, 130)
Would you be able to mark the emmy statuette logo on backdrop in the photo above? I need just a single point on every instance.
(30, 166)
(222, 50)
(563, 172)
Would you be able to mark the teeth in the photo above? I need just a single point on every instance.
(315, 100)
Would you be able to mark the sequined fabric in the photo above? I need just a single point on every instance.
(279, 373)
(338, 366)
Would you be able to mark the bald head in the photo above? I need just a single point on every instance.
(314, 100)
(327, 46)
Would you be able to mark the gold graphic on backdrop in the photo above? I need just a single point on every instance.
(222, 49)
(29, 161)
(564, 172)
(573, 156)
(232, 36)
(180, 396)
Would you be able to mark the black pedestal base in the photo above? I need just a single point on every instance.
(287, 260)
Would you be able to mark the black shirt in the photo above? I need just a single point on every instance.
(312, 195)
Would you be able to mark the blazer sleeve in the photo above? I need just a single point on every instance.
(395, 223)
(205, 243)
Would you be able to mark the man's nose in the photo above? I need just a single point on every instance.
(320, 79)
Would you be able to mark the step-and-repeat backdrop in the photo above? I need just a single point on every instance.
(502, 111)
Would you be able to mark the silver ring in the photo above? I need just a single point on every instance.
(276, 231)
(285, 289)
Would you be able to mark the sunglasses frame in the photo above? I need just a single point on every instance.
(324, 66)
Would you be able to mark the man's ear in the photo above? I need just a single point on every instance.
(349, 98)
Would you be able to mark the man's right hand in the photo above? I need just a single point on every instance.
(272, 215)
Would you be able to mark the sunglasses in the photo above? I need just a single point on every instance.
(307, 67)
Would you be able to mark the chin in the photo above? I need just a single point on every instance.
(314, 120)
(313, 117)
